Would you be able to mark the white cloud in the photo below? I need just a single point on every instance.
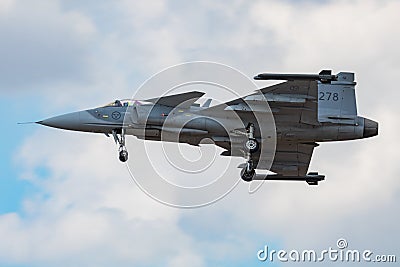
(42, 45)
(6, 5)
(88, 212)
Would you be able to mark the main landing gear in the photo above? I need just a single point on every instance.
(251, 146)
(120, 140)
(248, 172)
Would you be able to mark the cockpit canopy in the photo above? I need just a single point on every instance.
(126, 103)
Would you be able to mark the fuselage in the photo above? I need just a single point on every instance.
(152, 118)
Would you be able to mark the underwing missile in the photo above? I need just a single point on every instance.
(323, 76)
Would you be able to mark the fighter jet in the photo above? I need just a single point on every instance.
(306, 109)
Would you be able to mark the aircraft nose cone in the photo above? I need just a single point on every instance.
(370, 128)
(70, 121)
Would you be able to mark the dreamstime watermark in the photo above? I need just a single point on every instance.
(340, 253)
(196, 162)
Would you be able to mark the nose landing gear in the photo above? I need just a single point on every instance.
(120, 139)
(123, 155)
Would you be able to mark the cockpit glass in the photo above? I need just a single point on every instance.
(126, 103)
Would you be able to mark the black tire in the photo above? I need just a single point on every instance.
(123, 155)
(247, 176)
(252, 145)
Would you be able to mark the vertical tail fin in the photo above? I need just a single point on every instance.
(337, 100)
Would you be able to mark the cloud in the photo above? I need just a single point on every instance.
(88, 215)
(86, 210)
(41, 45)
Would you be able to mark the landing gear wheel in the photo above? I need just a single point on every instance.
(247, 176)
(252, 145)
(123, 155)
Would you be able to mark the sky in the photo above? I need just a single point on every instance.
(66, 200)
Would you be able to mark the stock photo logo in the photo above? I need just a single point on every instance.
(204, 138)
(340, 253)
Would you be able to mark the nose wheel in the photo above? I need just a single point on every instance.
(251, 146)
(120, 140)
(123, 154)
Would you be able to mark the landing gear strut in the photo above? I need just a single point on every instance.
(251, 146)
(123, 153)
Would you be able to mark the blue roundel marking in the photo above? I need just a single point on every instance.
(116, 115)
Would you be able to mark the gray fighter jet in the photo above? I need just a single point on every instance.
(305, 109)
